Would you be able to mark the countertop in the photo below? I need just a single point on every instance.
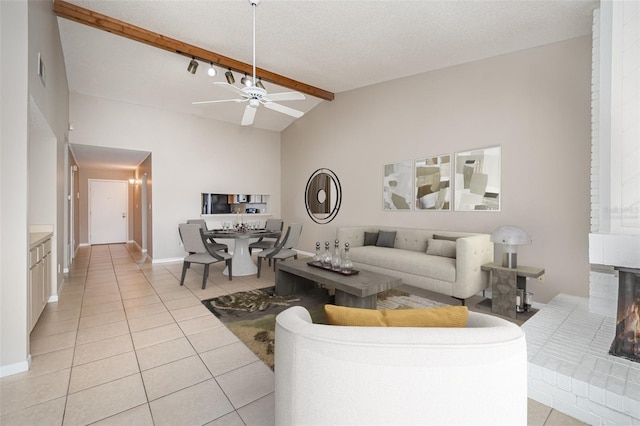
(37, 238)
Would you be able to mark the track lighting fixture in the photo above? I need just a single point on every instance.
(260, 85)
(229, 77)
(246, 80)
(211, 72)
(193, 66)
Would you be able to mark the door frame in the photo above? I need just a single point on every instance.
(71, 244)
(89, 214)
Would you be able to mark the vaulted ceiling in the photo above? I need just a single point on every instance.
(333, 45)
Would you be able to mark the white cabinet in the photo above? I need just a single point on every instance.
(39, 280)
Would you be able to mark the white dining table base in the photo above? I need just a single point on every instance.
(242, 262)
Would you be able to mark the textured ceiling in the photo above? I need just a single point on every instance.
(334, 45)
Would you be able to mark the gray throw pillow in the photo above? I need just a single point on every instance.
(444, 237)
(442, 248)
(370, 238)
(386, 239)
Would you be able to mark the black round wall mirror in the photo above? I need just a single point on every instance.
(323, 196)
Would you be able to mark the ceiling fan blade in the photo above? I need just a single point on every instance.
(222, 100)
(248, 116)
(230, 87)
(283, 109)
(285, 96)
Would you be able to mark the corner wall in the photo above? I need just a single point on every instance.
(535, 104)
(144, 174)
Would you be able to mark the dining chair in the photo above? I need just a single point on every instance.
(264, 243)
(211, 243)
(194, 242)
(284, 249)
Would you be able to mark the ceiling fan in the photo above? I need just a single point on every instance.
(255, 95)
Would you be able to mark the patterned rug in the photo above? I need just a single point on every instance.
(251, 315)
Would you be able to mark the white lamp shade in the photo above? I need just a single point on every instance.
(510, 235)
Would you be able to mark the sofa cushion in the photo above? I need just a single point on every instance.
(441, 248)
(370, 238)
(406, 261)
(386, 239)
(449, 316)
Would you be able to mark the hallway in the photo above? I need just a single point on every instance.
(125, 344)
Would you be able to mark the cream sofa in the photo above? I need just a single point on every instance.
(333, 375)
(459, 277)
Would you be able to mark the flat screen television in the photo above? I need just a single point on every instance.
(215, 204)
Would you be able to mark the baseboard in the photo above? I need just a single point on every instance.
(168, 259)
(54, 297)
(305, 253)
(138, 245)
(18, 367)
(83, 245)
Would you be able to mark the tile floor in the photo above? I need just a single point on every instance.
(125, 344)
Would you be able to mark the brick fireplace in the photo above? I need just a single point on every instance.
(569, 339)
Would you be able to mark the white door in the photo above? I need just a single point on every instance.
(108, 209)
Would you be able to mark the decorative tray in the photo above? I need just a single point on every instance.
(319, 265)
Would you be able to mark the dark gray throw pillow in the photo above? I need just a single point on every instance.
(370, 238)
(386, 239)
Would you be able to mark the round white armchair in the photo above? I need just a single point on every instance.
(335, 375)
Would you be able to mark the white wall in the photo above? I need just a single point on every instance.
(191, 155)
(13, 179)
(32, 114)
(52, 101)
(535, 104)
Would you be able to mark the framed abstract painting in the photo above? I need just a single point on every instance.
(433, 183)
(477, 180)
(397, 186)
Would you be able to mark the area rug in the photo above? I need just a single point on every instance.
(251, 315)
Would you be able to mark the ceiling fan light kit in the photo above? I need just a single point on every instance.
(254, 92)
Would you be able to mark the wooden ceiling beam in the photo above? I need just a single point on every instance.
(102, 22)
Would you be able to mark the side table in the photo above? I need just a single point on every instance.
(504, 285)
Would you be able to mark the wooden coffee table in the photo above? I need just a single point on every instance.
(358, 291)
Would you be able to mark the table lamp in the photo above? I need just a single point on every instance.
(511, 237)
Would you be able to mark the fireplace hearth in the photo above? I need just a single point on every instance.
(626, 343)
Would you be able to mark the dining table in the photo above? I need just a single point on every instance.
(242, 262)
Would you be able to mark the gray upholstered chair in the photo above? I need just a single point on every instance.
(194, 242)
(268, 242)
(284, 249)
(211, 243)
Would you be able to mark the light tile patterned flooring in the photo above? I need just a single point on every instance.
(125, 344)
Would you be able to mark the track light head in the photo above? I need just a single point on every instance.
(211, 72)
(246, 81)
(229, 76)
(260, 85)
(193, 66)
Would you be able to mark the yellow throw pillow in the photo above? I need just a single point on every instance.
(448, 316)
